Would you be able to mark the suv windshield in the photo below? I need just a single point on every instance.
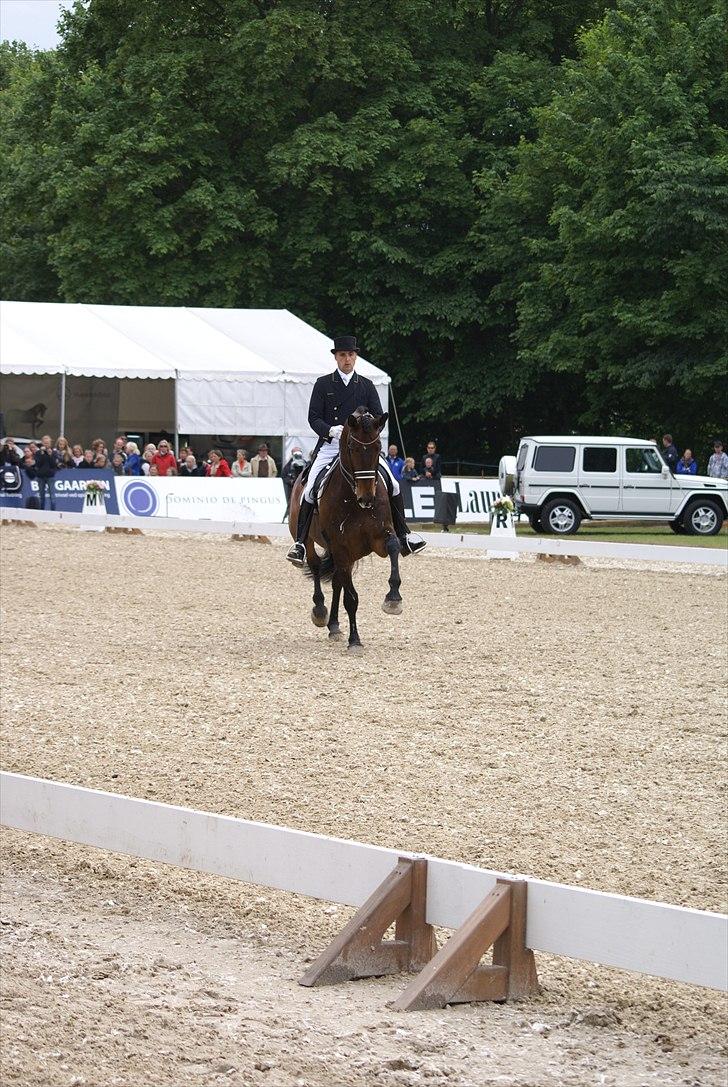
(644, 460)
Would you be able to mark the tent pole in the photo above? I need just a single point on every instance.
(396, 416)
(62, 429)
(176, 416)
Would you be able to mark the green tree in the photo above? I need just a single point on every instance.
(28, 84)
(620, 268)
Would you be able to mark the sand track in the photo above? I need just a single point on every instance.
(564, 722)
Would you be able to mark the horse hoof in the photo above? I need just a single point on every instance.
(392, 607)
(319, 616)
(356, 649)
(335, 635)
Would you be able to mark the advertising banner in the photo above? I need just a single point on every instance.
(202, 498)
(69, 488)
(474, 498)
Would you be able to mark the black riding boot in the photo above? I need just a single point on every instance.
(409, 547)
(297, 554)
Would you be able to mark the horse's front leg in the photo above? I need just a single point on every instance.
(319, 613)
(334, 628)
(393, 601)
(351, 603)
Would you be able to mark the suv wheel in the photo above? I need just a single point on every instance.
(562, 517)
(703, 518)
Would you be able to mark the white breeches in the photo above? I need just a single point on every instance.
(325, 455)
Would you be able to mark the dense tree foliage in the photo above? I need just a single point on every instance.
(519, 207)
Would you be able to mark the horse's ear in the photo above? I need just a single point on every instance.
(353, 422)
(382, 420)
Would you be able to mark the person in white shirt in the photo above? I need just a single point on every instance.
(718, 463)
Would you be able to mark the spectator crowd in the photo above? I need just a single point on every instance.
(42, 460)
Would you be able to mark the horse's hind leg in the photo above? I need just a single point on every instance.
(334, 628)
(351, 603)
(319, 612)
(393, 601)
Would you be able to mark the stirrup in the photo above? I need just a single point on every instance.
(297, 554)
(411, 547)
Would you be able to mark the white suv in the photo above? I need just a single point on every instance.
(560, 481)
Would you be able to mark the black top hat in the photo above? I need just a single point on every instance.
(344, 343)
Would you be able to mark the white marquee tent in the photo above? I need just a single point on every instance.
(234, 371)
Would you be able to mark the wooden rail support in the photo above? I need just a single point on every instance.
(455, 975)
(359, 950)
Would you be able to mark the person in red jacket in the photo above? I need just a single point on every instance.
(164, 458)
(217, 466)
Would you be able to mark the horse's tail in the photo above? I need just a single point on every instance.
(325, 569)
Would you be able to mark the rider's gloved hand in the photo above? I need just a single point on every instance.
(336, 432)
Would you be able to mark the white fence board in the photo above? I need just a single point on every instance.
(635, 934)
(613, 930)
(545, 545)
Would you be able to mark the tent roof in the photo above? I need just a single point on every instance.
(163, 342)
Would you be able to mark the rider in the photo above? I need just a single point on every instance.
(333, 399)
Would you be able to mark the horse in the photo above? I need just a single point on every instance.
(353, 519)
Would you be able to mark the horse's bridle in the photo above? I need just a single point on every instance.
(352, 478)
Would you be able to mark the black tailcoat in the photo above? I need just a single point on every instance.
(332, 402)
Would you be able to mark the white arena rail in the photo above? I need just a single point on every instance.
(633, 934)
(544, 545)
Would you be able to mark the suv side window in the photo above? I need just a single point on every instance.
(522, 454)
(554, 458)
(600, 458)
(643, 460)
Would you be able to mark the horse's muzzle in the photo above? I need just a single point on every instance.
(366, 503)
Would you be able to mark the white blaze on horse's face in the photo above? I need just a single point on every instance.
(363, 447)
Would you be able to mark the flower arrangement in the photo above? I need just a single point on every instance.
(95, 486)
(505, 504)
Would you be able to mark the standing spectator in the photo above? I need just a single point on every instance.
(64, 452)
(718, 463)
(117, 464)
(687, 465)
(153, 470)
(99, 446)
(147, 458)
(133, 463)
(291, 471)
(670, 454)
(409, 472)
(435, 458)
(428, 469)
(395, 462)
(241, 464)
(47, 463)
(190, 467)
(217, 465)
(101, 461)
(164, 458)
(263, 465)
(119, 447)
(87, 460)
(28, 464)
(10, 454)
(77, 455)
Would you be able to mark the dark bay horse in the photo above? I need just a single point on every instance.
(353, 520)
